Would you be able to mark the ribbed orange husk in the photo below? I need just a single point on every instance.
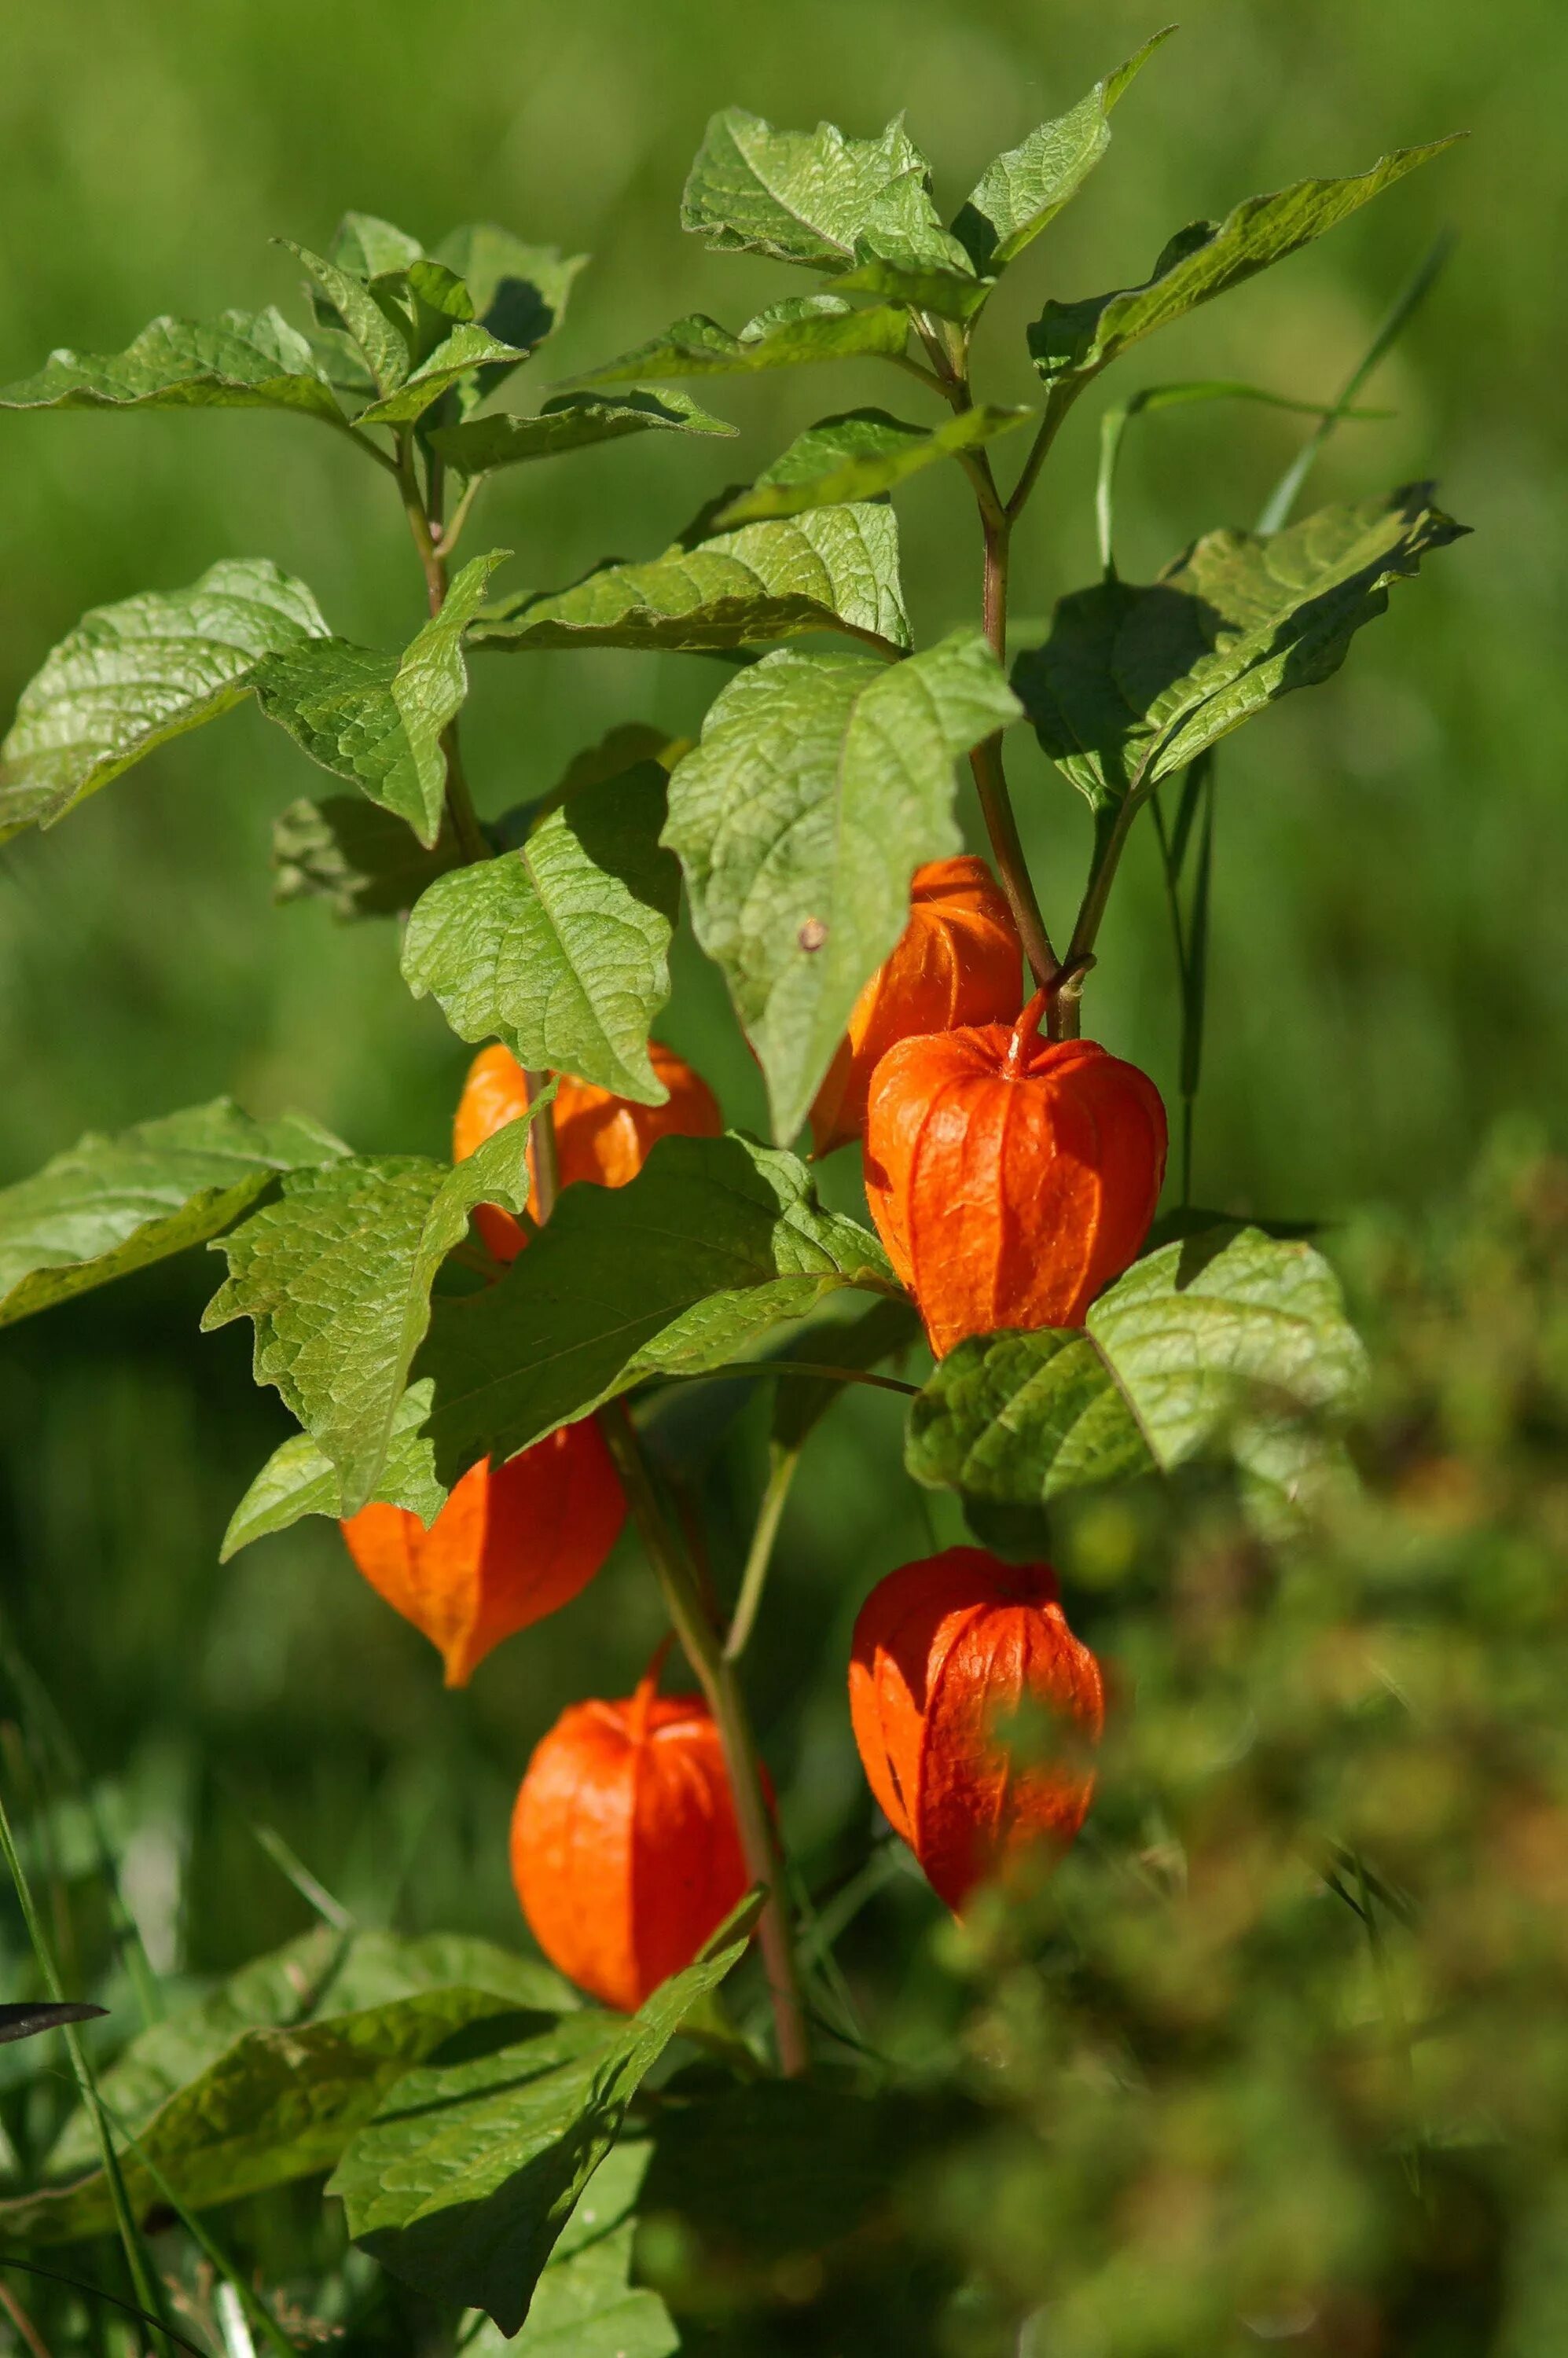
(1010, 1197)
(508, 1547)
(946, 1653)
(958, 960)
(624, 1848)
(599, 1137)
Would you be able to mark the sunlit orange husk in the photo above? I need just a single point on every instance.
(957, 961)
(1011, 1178)
(624, 1848)
(599, 1137)
(508, 1547)
(947, 1652)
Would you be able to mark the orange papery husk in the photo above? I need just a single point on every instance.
(512, 1543)
(946, 1652)
(958, 961)
(625, 1851)
(1011, 1178)
(600, 1138)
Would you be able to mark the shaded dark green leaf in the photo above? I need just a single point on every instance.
(359, 856)
(109, 1206)
(1137, 681)
(716, 1242)
(465, 2181)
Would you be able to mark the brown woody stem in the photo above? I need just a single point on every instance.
(721, 1686)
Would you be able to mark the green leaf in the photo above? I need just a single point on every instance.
(800, 1402)
(463, 2184)
(561, 947)
(805, 328)
(300, 1479)
(242, 360)
(716, 1241)
(833, 569)
(520, 291)
(320, 1976)
(469, 349)
(1231, 1344)
(361, 859)
(370, 248)
(798, 195)
(1077, 339)
(859, 456)
(820, 784)
(573, 421)
(1023, 190)
(585, 2305)
(336, 1277)
(109, 1206)
(377, 719)
(376, 337)
(131, 676)
(1135, 682)
(277, 2104)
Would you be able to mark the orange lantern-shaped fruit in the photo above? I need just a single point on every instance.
(957, 961)
(511, 1544)
(1011, 1178)
(946, 1653)
(625, 1847)
(599, 1137)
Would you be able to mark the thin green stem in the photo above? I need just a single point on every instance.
(721, 1686)
(96, 2292)
(991, 776)
(22, 2324)
(1058, 401)
(452, 532)
(143, 2283)
(759, 1555)
(758, 1368)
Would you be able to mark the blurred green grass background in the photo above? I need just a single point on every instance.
(1387, 974)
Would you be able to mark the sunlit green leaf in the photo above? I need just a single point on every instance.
(361, 859)
(1231, 1344)
(470, 348)
(377, 719)
(585, 2305)
(1023, 190)
(241, 359)
(561, 948)
(336, 1277)
(820, 784)
(1076, 339)
(131, 676)
(469, 2174)
(571, 422)
(833, 569)
(300, 1479)
(1134, 682)
(859, 456)
(804, 328)
(798, 196)
(109, 1206)
(716, 1241)
(375, 335)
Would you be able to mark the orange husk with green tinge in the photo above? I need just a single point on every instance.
(958, 961)
(946, 1652)
(625, 1851)
(1011, 1178)
(510, 1545)
(599, 1138)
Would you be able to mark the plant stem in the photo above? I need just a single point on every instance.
(1058, 401)
(721, 1686)
(543, 1152)
(990, 777)
(759, 1555)
(21, 2322)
